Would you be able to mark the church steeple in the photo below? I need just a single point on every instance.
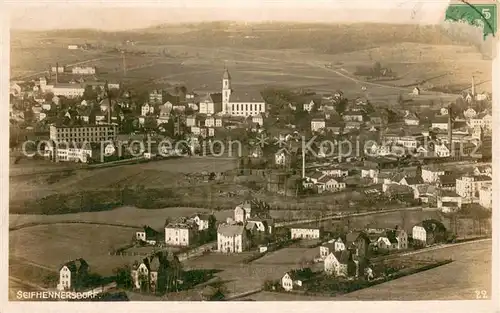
(226, 90)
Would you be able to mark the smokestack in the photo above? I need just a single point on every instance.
(473, 88)
(57, 70)
(303, 163)
(450, 132)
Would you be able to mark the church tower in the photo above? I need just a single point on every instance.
(226, 91)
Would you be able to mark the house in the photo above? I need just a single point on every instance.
(295, 278)
(360, 241)
(352, 125)
(428, 232)
(353, 116)
(469, 113)
(211, 103)
(155, 97)
(335, 172)
(448, 181)
(243, 212)
(442, 150)
(258, 119)
(440, 122)
(147, 109)
(283, 157)
(72, 275)
(448, 200)
(231, 238)
(145, 274)
(411, 119)
(330, 184)
(148, 235)
(202, 220)
(317, 124)
(191, 121)
(46, 106)
(486, 197)
(305, 233)
(424, 192)
(411, 181)
(340, 264)
(310, 105)
(180, 234)
(430, 174)
(257, 225)
(326, 248)
(416, 91)
(369, 172)
(468, 186)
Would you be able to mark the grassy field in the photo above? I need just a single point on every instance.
(53, 245)
(124, 215)
(242, 277)
(164, 173)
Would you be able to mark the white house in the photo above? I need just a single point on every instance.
(317, 124)
(147, 109)
(340, 264)
(305, 233)
(416, 91)
(419, 233)
(231, 238)
(243, 212)
(202, 220)
(293, 279)
(179, 234)
(330, 184)
(469, 186)
(148, 235)
(486, 197)
(431, 174)
(258, 119)
(70, 273)
(442, 151)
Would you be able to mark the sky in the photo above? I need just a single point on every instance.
(122, 15)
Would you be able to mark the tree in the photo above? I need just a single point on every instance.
(340, 106)
(122, 276)
(150, 123)
(48, 96)
(89, 93)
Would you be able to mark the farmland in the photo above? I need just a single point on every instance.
(53, 245)
(469, 271)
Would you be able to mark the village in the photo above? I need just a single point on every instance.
(289, 145)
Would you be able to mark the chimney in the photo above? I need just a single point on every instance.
(473, 88)
(50, 71)
(57, 70)
(450, 132)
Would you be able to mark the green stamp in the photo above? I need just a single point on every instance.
(480, 15)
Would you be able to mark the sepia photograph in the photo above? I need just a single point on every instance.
(251, 152)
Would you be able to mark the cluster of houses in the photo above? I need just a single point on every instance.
(251, 218)
(347, 256)
(182, 232)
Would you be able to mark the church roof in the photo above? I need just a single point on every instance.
(226, 74)
(245, 96)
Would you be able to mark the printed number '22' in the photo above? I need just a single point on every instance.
(481, 294)
(486, 13)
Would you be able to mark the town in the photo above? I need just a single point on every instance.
(305, 192)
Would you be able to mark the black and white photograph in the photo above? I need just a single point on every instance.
(251, 151)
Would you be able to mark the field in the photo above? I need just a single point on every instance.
(459, 280)
(164, 173)
(125, 215)
(53, 245)
(243, 277)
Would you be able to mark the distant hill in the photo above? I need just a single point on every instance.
(322, 38)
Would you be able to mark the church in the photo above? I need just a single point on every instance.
(240, 103)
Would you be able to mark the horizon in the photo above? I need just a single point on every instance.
(104, 17)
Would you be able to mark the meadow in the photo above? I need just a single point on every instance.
(53, 245)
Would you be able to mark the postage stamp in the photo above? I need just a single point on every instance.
(251, 151)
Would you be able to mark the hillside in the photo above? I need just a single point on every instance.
(320, 38)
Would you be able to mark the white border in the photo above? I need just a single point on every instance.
(333, 306)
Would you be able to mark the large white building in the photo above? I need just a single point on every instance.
(469, 186)
(86, 133)
(80, 70)
(305, 233)
(179, 234)
(240, 103)
(231, 238)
